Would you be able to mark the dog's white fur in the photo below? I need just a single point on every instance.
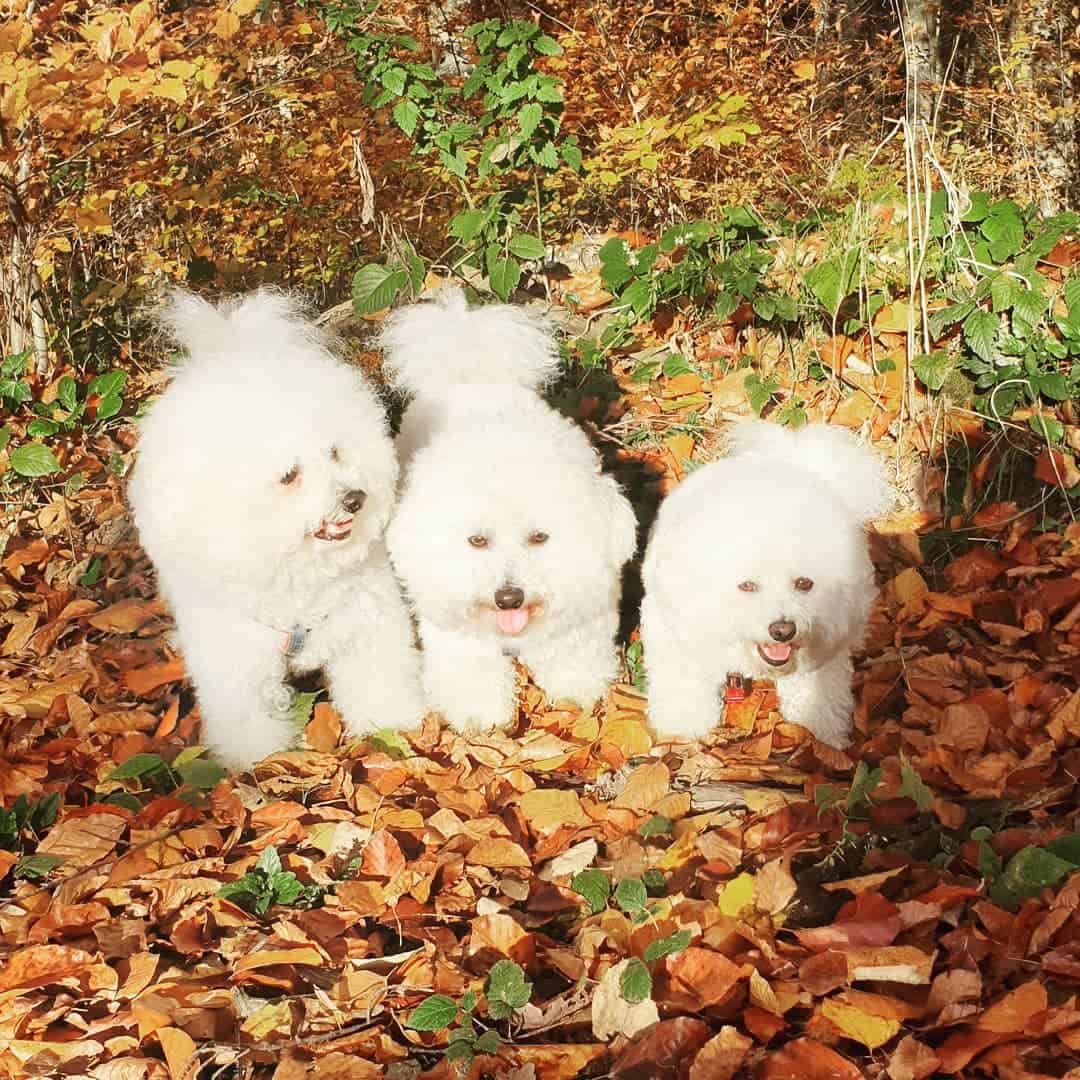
(487, 457)
(234, 546)
(783, 505)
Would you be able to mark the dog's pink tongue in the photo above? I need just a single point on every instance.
(512, 621)
(777, 652)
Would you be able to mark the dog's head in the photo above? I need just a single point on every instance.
(769, 572)
(250, 469)
(500, 544)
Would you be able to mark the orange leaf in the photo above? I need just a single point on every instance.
(645, 787)
(142, 680)
(709, 976)
(383, 856)
(40, 965)
(269, 957)
(498, 853)
(1014, 1012)
(721, 1057)
(807, 1059)
(179, 1050)
(324, 728)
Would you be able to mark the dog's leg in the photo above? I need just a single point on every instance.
(238, 669)
(466, 679)
(821, 700)
(578, 665)
(374, 672)
(683, 701)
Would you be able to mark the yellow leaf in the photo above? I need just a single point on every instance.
(304, 954)
(679, 853)
(547, 809)
(245, 7)
(272, 1017)
(645, 787)
(738, 895)
(628, 733)
(182, 69)
(763, 995)
(871, 1031)
(116, 87)
(210, 74)
(227, 25)
(804, 69)
(172, 89)
(179, 1050)
(498, 854)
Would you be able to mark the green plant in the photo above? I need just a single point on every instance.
(189, 774)
(24, 824)
(269, 884)
(1030, 870)
(505, 989)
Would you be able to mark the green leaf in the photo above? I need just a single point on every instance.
(548, 156)
(251, 892)
(137, 765)
(655, 882)
(269, 861)
(488, 1043)
(1033, 869)
(16, 364)
(676, 364)
(301, 708)
(93, 572)
(35, 867)
(42, 428)
(932, 369)
(67, 392)
(391, 742)
(635, 985)
(468, 1001)
(571, 154)
(863, 785)
(33, 459)
(394, 79)
(528, 118)
(912, 785)
(1066, 847)
(979, 208)
(406, 115)
(433, 1014)
(467, 224)
(5, 437)
(43, 813)
(201, 774)
(1046, 427)
(112, 382)
(504, 275)
(506, 989)
(126, 800)
(1054, 386)
(615, 268)
(832, 280)
(631, 895)
(375, 287)
(980, 330)
(669, 946)
(595, 886)
(657, 825)
(1004, 229)
(547, 46)
(526, 246)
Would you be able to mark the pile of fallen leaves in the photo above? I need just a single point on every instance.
(569, 899)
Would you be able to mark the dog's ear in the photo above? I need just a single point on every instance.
(620, 522)
(852, 471)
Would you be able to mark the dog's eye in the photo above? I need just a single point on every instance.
(537, 538)
(478, 541)
(803, 584)
(291, 477)
(335, 454)
(748, 586)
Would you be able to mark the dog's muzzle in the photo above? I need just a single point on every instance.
(338, 524)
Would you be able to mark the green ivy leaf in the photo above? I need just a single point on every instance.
(33, 460)
(526, 246)
(668, 946)
(504, 275)
(1046, 427)
(631, 895)
(488, 1043)
(528, 118)
(112, 382)
(42, 428)
(657, 825)
(635, 984)
(932, 369)
(67, 392)
(595, 886)
(375, 287)
(137, 765)
(1054, 386)
(506, 989)
(269, 861)
(1033, 869)
(406, 115)
(980, 330)
(467, 224)
(433, 1014)
(547, 46)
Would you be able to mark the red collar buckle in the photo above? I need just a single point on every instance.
(737, 688)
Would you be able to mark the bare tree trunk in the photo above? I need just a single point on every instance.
(1045, 102)
(919, 23)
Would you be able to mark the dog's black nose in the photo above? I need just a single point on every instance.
(353, 501)
(782, 630)
(509, 597)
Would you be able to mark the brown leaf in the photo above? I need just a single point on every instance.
(498, 853)
(83, 841)
(324, 729)
(645, 787)
(722, 1056)
(1014, 1012)
(140, 681)
(709, 976)
(548, 809)
(179, 1050)
(807, 1059)
(383, 856)
(40, 965)
(661, 1049)
(912, 1060)
(126, 616)
(897, 963)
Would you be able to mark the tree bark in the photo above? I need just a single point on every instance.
(919, 22)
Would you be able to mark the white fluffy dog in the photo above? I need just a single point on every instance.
(508, 538)
(758, 565)
(265, 480)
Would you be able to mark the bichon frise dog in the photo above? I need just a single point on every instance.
(266, 477)
(758, 566)
(509, 540)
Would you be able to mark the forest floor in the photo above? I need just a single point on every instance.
(569, 899)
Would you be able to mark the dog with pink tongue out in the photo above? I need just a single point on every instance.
(758, 566)
(508, 539)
